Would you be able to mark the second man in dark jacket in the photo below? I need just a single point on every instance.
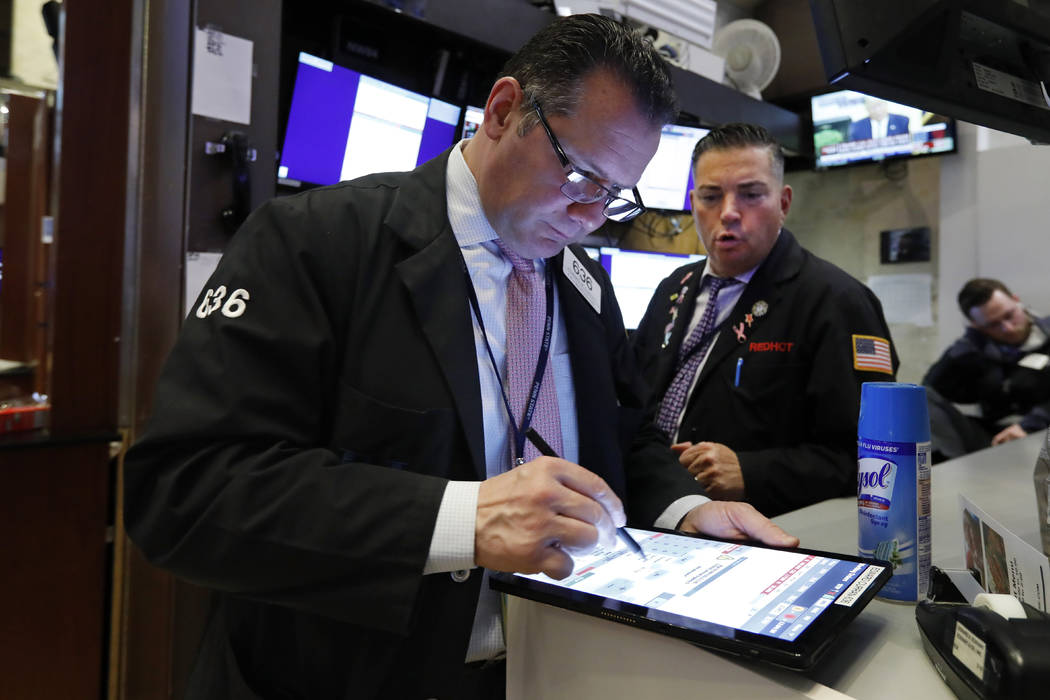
(756, 355)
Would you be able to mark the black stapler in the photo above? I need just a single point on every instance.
(998, 647)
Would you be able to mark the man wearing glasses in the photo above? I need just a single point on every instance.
(342, 453)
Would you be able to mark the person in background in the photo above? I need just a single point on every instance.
(879, 123)
(332, 444)
(1001, 364)
(755, 356)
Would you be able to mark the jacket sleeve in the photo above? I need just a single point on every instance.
(1028, 393)
(1038, 418)
(962, 375)
(822, 463)
(233, 485)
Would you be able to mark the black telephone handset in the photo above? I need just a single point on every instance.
(240, 155)
(235, 146)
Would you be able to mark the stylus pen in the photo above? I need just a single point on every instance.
(545, 450)
(739, 364)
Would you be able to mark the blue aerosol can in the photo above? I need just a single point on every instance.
(893, 485)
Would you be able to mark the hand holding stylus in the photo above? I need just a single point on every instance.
(534, 517)
(544, 449)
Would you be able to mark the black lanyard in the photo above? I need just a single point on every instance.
(541, 361)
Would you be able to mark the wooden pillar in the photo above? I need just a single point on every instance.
(93, 122)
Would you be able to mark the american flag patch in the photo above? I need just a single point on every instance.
(872, 354)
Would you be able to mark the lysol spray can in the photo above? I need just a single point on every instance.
(893, 485)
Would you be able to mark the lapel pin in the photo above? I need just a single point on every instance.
(760, 308)
(667, 333)
(749, 319)
(739, 330)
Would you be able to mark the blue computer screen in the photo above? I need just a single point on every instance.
(343, 124)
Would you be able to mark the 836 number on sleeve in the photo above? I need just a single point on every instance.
(216, 300)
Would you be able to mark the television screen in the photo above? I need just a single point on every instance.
(851, 127)
(635, 275)
(471, 121)
(902, 245)
(343, 124)
(666, 181)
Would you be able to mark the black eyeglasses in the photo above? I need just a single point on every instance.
(580, 188)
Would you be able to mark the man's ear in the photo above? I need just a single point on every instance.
(785, 202)
(502, 108)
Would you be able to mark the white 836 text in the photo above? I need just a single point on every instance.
(216, 300)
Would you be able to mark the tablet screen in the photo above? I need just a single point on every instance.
(717, 588)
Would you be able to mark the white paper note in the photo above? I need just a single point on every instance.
(222, 76)
(199, 267)
(1035, 360)
(905, 298)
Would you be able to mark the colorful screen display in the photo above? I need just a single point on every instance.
(851, 127)
(690, 581)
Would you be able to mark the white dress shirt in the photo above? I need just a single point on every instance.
(878, 128)
(452, 545)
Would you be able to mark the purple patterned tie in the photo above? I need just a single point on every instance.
(674, 400)
(526, 315)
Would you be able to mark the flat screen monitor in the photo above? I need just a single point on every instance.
(635, 274)
(595, 253)
(851, 127)
(666, 181)
(343, 124)
(471, 121)
(903, 245)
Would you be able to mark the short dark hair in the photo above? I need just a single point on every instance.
(739, 135)
(551, 66)
(978, 291)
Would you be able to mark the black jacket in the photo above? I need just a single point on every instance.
(302, 438)
(792, 420)
(976, 369)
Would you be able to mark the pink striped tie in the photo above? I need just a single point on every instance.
(526, 315)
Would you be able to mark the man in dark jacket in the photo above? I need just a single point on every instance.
(1001, 363)
(333, 437)
(755, 356)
